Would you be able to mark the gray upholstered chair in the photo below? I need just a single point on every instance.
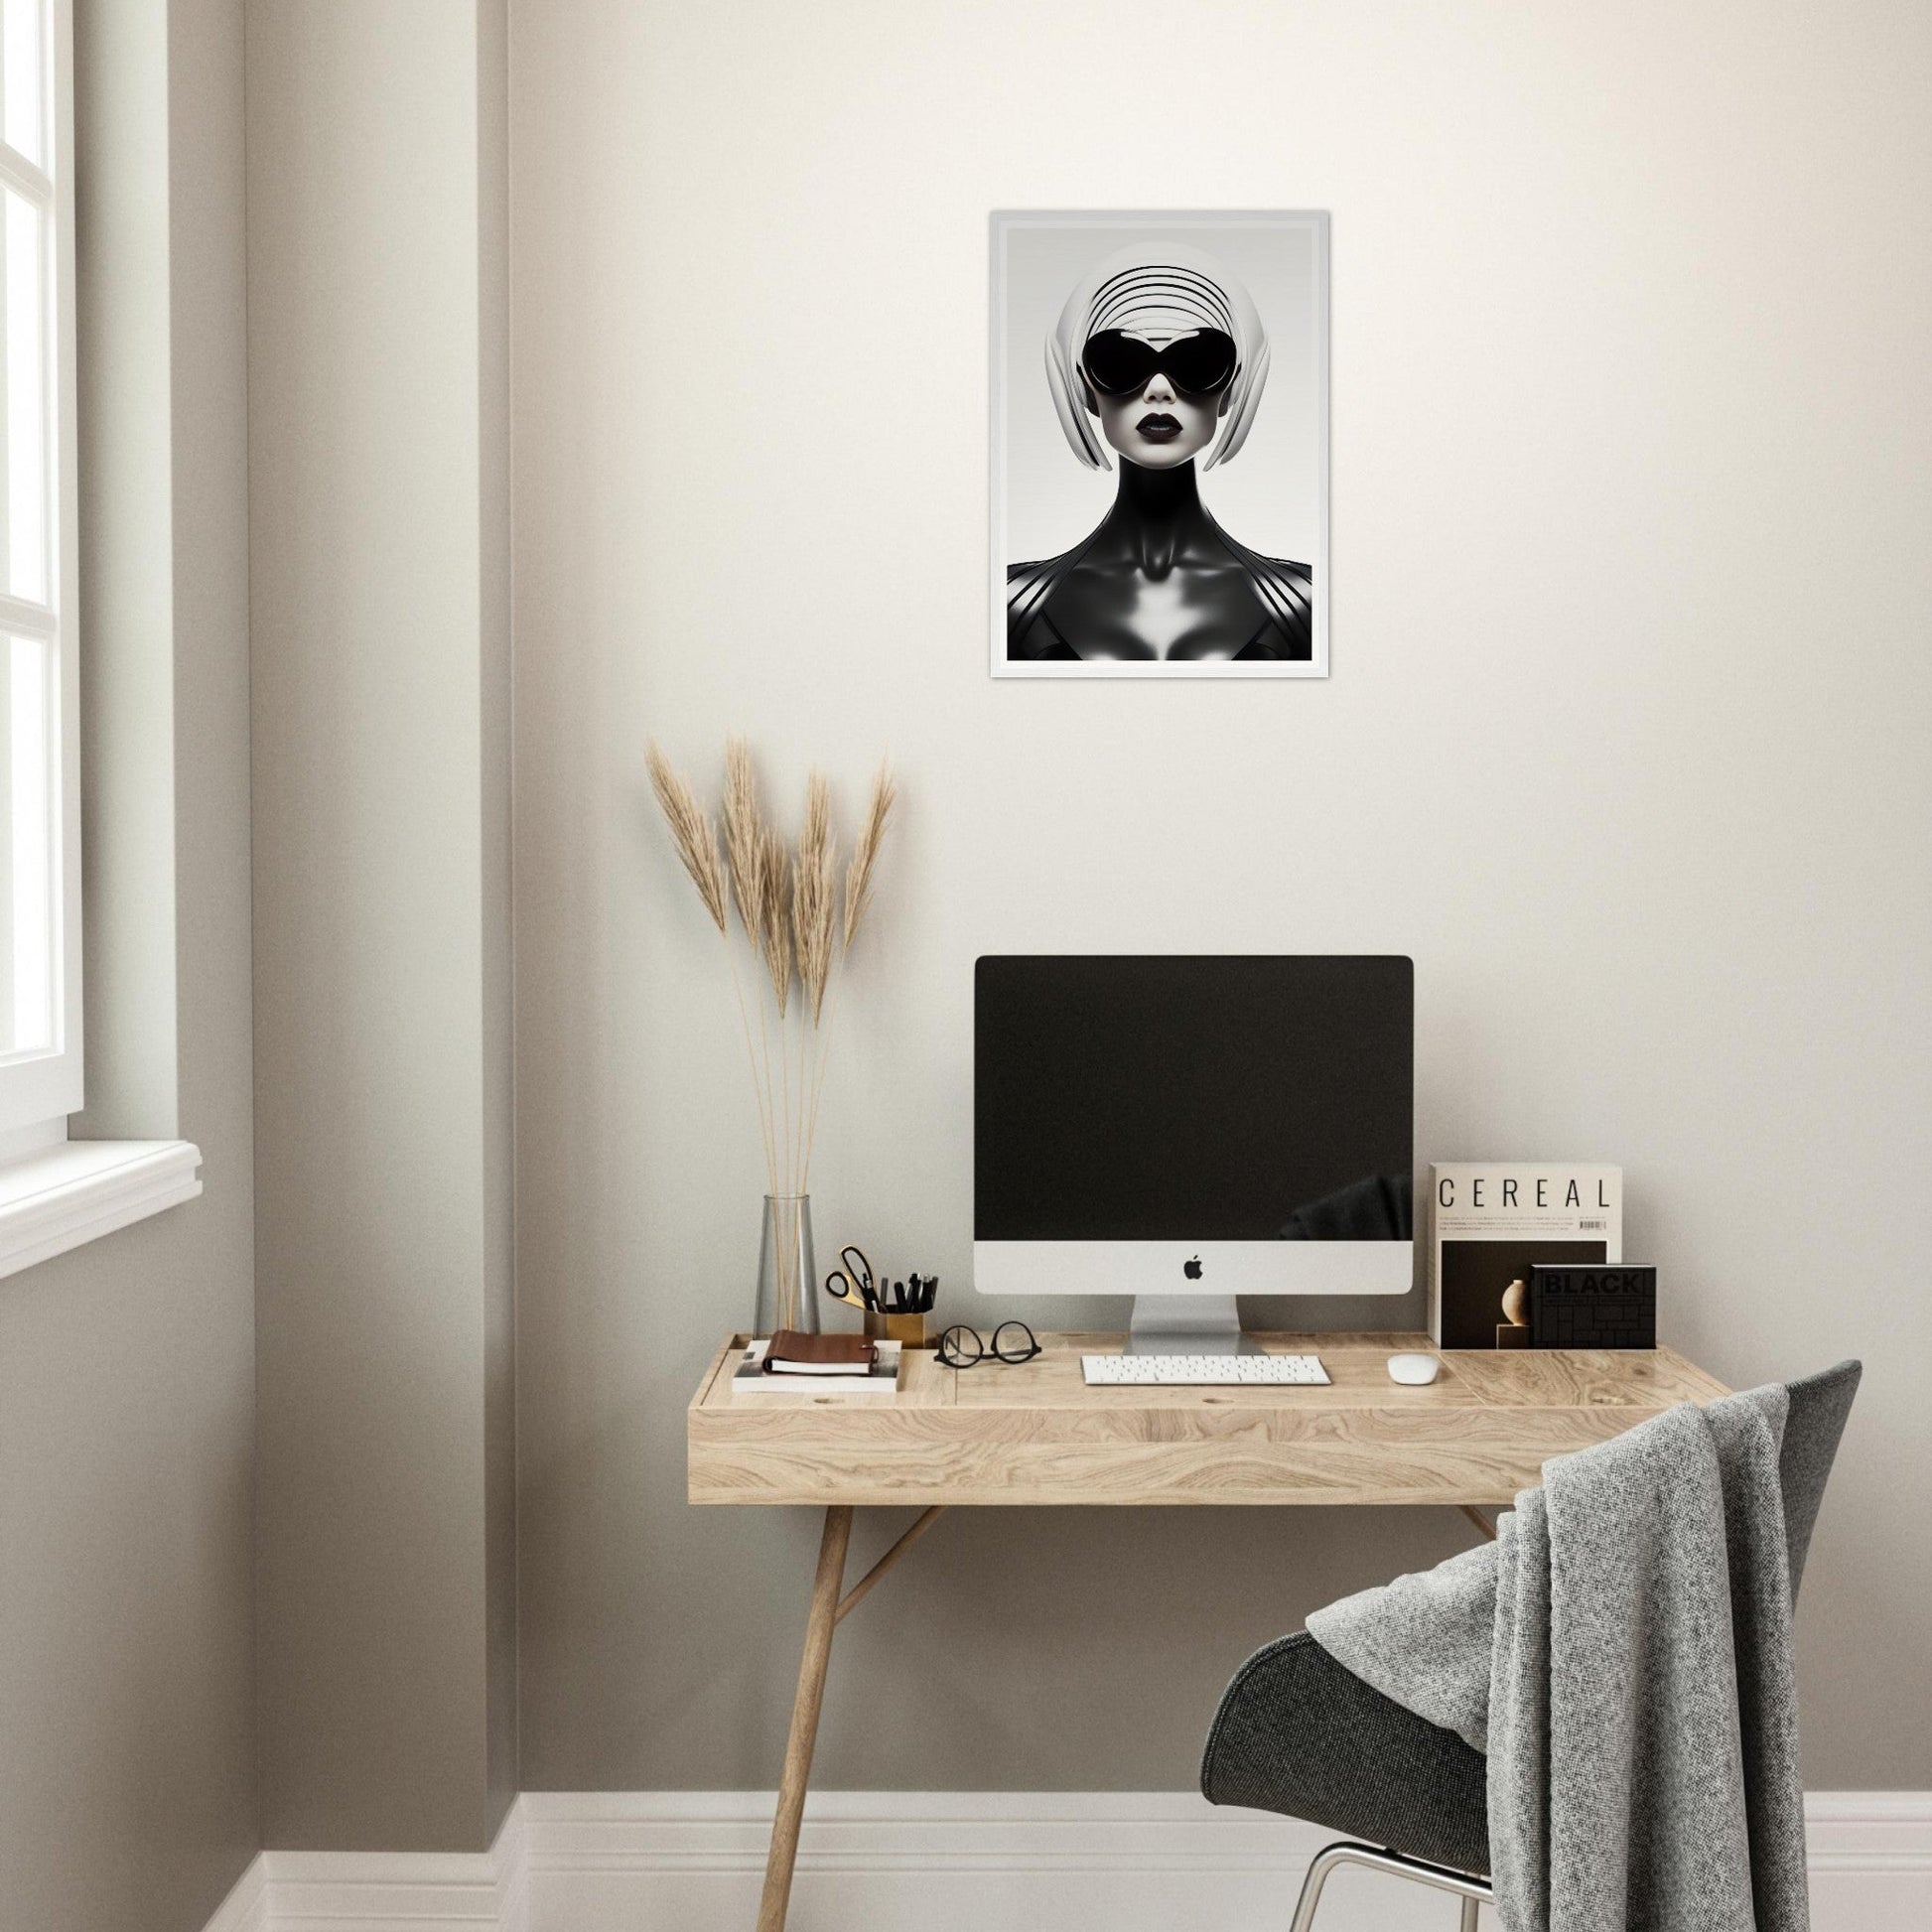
(1299, 1734)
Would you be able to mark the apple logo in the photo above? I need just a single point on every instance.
(1192, 1269)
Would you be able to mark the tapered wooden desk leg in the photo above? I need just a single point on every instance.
(804, 1718)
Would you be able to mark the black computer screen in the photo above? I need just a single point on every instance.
(1225, 1098)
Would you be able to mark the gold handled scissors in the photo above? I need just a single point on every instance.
(852, 1281)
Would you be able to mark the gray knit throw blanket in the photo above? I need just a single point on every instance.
(1622, 1652)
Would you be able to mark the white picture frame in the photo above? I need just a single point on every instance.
(1051, 501)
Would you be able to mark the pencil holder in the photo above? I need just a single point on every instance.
(909, 1329)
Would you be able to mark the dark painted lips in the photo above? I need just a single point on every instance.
(1157, 428)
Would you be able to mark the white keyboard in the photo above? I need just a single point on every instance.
(1202, 1371)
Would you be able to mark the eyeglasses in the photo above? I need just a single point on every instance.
(964, 1347)
(1117, 364)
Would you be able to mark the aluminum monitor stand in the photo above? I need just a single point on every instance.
(1187, 1325)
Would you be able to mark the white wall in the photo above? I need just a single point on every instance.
(127, 1734)
(381, 696)
(1624, 743)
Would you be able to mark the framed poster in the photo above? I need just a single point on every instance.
(1160, 493)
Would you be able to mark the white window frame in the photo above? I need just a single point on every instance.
(39, 1088)
(56, 1193)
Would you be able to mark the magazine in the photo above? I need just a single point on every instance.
(1490, 1220)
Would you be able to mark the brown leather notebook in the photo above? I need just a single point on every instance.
(793, 1353)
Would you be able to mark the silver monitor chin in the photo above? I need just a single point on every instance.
(1184, 1296)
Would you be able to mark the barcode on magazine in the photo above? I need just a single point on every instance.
(1598, 1226)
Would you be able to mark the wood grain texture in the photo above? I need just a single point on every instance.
(1035, 1433)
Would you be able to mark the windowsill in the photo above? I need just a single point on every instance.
(79, 1191)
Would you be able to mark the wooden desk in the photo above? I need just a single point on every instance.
(1034, 1434)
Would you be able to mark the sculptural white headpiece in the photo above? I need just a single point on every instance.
(1156, 291)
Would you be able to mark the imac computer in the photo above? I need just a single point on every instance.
(1184, 1129)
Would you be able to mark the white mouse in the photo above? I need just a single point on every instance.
(1413, 1370)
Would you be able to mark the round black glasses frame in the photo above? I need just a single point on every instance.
(964, 1347)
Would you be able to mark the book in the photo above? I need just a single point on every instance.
(750, 1379)
(1490, 1221)
(791, 1353)
(1588, 1306)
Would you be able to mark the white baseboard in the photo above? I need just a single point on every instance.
(953, 1861)
(386, 1892)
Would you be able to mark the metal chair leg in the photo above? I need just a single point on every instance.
(1323, 1863)
(1471, 1891)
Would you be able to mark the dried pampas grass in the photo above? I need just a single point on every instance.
(744, 833)
(692, 832)
(815, 895)
(787, 909)
(864, 851)
(774, 916)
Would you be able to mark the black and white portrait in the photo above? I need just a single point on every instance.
(1159, 444)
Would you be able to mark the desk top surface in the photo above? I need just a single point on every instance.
(1034, 1433)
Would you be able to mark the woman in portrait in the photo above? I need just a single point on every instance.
(1160, 355)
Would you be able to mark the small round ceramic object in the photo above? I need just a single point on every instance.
(1413, 1370)
(1516, 1304)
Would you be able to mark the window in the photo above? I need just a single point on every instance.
(40, 816)
(55, 1194)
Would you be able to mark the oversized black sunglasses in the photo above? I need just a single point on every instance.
(1122, 365)
(963, 1347)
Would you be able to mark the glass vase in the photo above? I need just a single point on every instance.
(787, 1270)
